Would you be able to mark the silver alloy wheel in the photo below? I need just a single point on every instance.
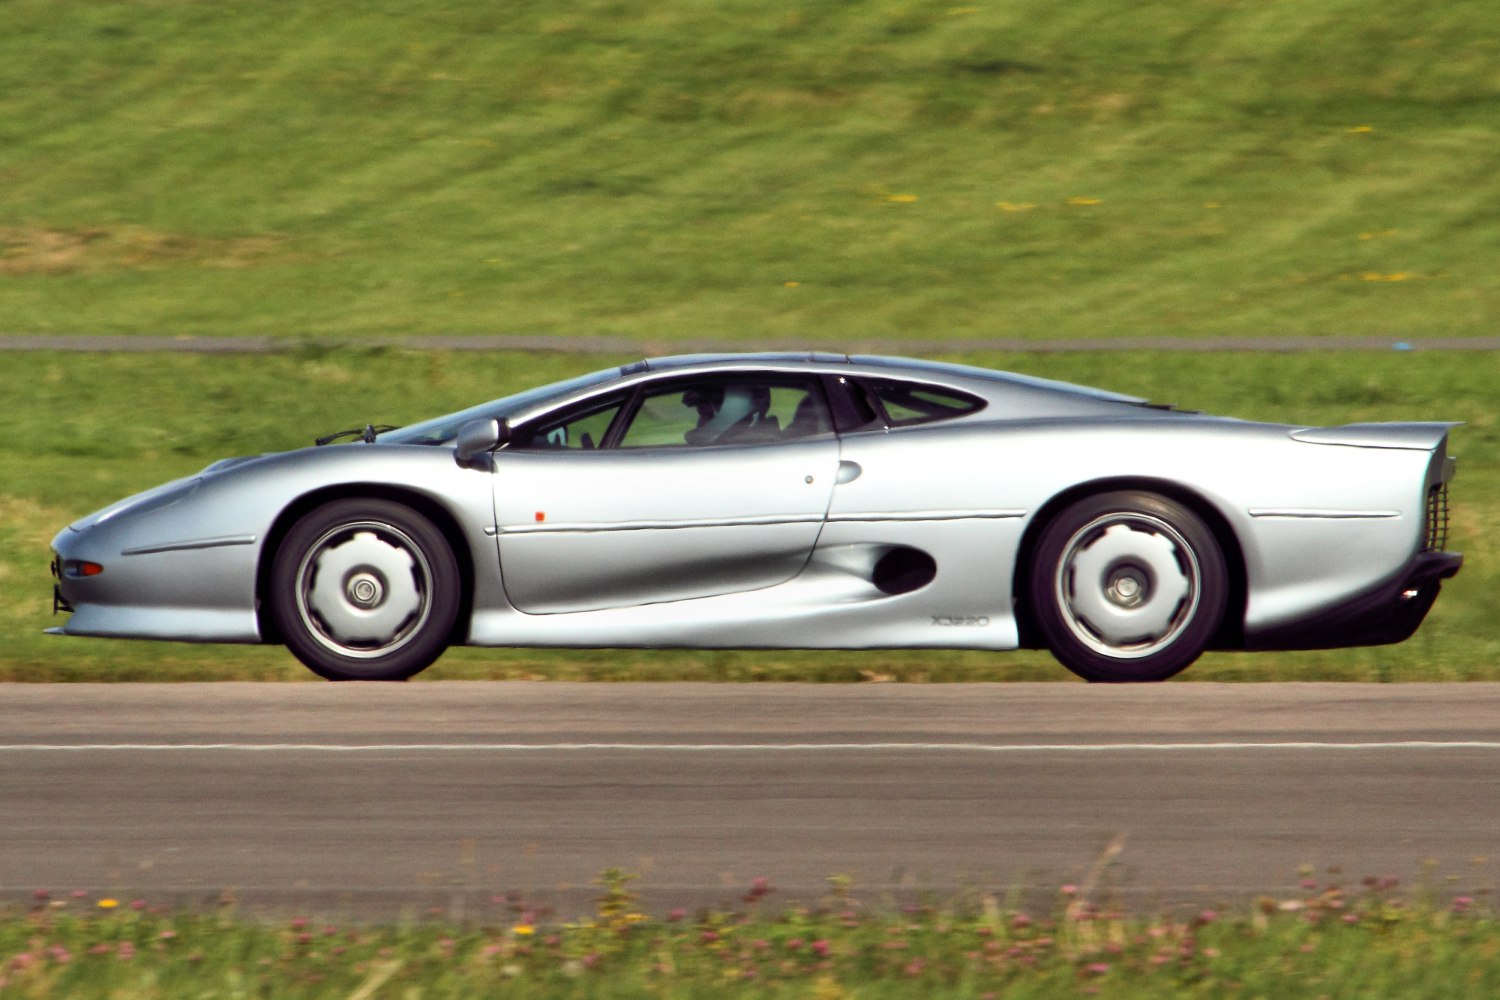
(364, 589)
(1127, 585)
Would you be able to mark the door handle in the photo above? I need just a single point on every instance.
(848, 472)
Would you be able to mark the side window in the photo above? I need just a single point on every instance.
(574, 432)
(729, 410)
(907, 403)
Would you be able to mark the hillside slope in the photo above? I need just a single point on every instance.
(822, 172)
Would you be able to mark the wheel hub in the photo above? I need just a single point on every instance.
(1126, 589)
(1127, 584)
(365, 590)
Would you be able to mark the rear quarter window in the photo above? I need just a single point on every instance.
(908, 403)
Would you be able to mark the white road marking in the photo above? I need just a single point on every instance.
(997, 748)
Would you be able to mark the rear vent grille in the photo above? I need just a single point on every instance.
(1436, 538)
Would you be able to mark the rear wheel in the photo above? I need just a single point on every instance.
(1128, 586)
(365, 590)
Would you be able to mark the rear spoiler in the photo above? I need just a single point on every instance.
(1406, 436)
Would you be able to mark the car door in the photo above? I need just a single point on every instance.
(687, 487)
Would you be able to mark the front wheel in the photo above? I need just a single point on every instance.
(1128, 586)
(365, 590)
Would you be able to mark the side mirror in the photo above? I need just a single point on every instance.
(479, 437)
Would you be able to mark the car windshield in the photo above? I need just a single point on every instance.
(442, 430)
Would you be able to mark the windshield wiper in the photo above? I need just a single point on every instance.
(366, 433)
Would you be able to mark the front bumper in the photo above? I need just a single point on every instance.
(1387, 613)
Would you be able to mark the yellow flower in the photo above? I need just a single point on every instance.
(1085, 201)
(108, 904)
(523, 929)
(1360, 128)
(1393, 276)
(790, 284)
(904, 199)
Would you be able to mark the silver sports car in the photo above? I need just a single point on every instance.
(787, 500)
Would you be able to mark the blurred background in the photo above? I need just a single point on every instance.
(335, 191)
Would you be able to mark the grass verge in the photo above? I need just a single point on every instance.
(98, 427)
(1330, 941)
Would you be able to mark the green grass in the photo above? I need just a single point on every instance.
(1328, 941)
(822, 172)
(98, 427)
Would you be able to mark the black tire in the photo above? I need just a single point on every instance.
(1127, 586)
(365, 590)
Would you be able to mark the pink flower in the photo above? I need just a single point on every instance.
(821, 948)
(126, 951)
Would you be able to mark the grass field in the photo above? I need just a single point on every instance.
(826, 170)
(103, 426)
(813, 175)
(1333, 940)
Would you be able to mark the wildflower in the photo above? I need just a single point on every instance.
(1360, 129)
(108, 904)
(523, 930)
(676, 915)
(791, 284)
(126, 951)
(820, 947)
(167, 935)
(1097, 968)
(1461, 904)
(901, 199)
(1085, 201)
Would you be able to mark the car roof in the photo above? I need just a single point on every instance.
(869, 363)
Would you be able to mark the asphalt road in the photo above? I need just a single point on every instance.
(370, 798)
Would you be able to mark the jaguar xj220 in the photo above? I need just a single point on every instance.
(787, 501)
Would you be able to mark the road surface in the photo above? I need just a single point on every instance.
(369, 798)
